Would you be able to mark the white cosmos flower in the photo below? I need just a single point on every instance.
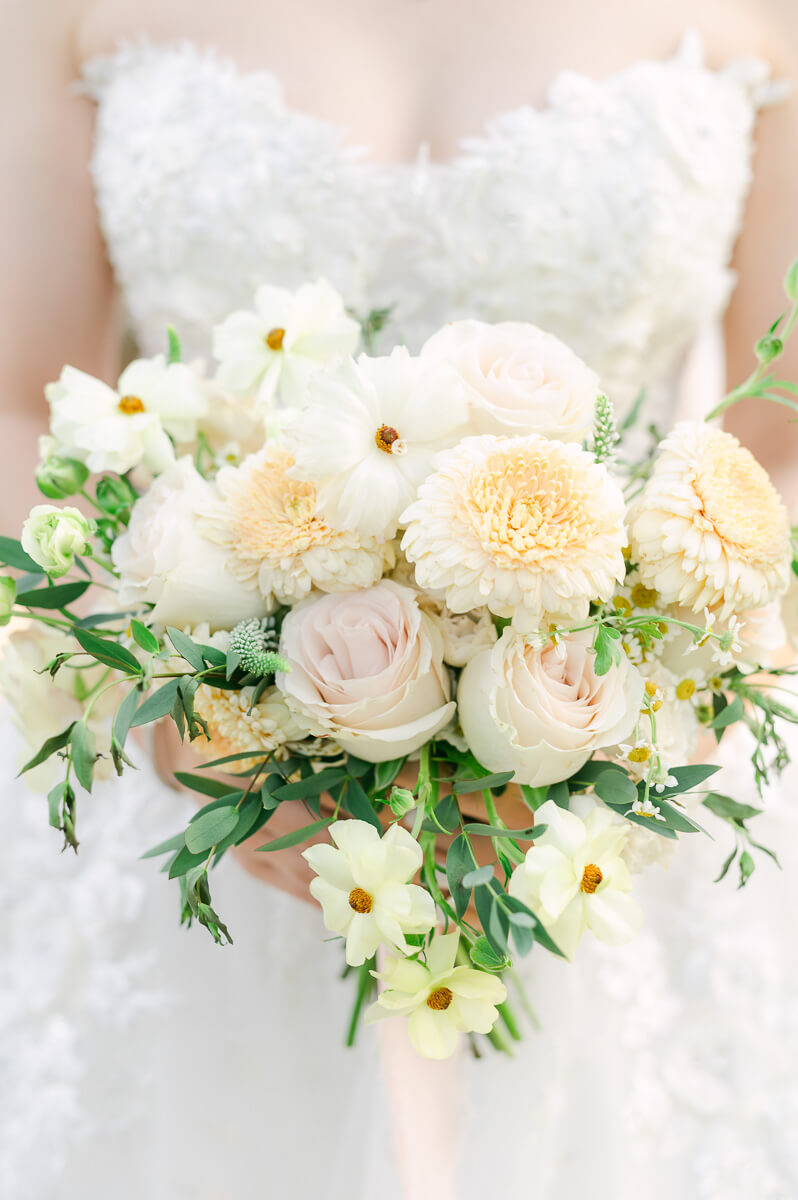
(369, 435)
(115, 429)
(574, 879)
(274, 350)
(364, 890)
(440, 1000)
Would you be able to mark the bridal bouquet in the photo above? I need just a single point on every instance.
(433, 604)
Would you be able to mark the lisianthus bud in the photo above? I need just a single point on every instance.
(8, 594)
(401, 801)
(59, 477)
(115, 494)
(53, 536)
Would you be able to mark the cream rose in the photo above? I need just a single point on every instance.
(366, 669)
(162, 558)
(541, 711)
(52, 537)
(519, 379)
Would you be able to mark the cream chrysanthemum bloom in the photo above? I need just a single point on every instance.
(234, 728)
(529, 527)
(709, 529)
(268, 522)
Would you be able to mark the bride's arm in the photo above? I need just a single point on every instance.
(57, 300)
(767, 246)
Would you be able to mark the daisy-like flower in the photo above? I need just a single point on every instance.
(267, 520)
(235, 725)
(529, 527)
(646, 808)
(369, 435)
(440, 1000)
(115, 429)
(574, 878)
(709, 529)
(275, 349)
(362, 884)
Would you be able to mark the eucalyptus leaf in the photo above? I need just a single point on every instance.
(459, 863)
(83, 753)
(477, 878)
(158, 705)
(732, 810)
(487, 783)
(297, 836)
(11, 552)
(186, 648)
(210, 828)
(205, 784)
(144, 637)
(124, 715)
(107, 651)
(57, 596)
(51, 746)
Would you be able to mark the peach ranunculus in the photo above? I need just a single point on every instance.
(709, 529)
(541, 710)
(519, 379)
(366, 668)
(531, 528)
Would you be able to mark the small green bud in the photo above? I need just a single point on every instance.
(115, 494)
(791, 282)
(401, 801)
(8, 594)
(768, 348)
(60, 477)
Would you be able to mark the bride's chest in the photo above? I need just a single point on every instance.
(608, 216)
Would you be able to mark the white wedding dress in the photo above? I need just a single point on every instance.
(139, 1060)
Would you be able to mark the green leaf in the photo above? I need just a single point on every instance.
(124, 715)
(314, 785)
(560, 793)
(58, 596)
(464, 787)
(209, 828)
(616, 788)
(385, 773)
(183, 861)
(357, 803)
(605, 648)
(726, 864)
(175, 350)
(485, 957)
(55, 798)
(205, 784)
(248, 814)
(11, 552)
(676, 818)
(535, 831)
(747, 867)
(688, 778)
(229, 758)
(83, 753)
(144, 637)
(109, 652)
(479, 877)
(535, 796)
(212, 656)
(173, 843)
(186, 648)
(724, 806)
(734, 711)
(297, 836)
(53, 744)
(158, 705)
(459, 863)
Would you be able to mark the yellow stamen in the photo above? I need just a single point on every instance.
(685, 689)
(622, 605)
(360, 901)
(651, 688)
(130, 405)
(385, 437)
(274, 339)
(591, 878)
(640, 754)
(440, 999)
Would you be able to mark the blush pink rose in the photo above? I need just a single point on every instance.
(367, 670)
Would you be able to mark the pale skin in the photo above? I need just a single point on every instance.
(394, 74)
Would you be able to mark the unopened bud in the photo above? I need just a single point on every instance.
(60, 477)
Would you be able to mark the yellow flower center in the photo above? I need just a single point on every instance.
(685, 689)
(738, 500)
(591, 878)
(644, 597)
(360, 901)
(385, 437)
(440, 999)
(640, 754)
(651, 688)
(273, 516)
(622, 605)
(130, 405)
(533, 506)
(716, 683)
(274, 339)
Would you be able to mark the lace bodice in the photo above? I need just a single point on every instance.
(607, 217)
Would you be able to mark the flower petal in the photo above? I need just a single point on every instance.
(434, 1034)
(331, 864)
(614, 917)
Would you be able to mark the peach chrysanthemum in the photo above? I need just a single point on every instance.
(528, 527)
(268, 521)
(709, 529)
(233, 728)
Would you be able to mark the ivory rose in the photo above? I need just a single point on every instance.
(541, 710)
(519, 379)
(366, 669)
(162, 558)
